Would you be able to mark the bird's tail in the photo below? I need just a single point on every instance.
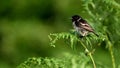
(96, 34)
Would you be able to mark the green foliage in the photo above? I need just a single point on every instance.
(105, 14)
(25, 24)
(73, 39)
(67, 61)
(86, 42)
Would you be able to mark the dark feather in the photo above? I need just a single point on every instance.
(85, 25)
(81, 25)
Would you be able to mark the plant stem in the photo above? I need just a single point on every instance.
(112, 57)
(111, 53)
(89, 53)
(92, 60)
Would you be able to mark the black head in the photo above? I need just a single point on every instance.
(76, 18)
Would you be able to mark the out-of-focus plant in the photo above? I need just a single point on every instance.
(67, 62)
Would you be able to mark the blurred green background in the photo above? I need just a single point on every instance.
(26, 24)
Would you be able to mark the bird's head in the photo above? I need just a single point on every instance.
(76, 18)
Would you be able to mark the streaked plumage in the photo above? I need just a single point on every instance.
(81, 26)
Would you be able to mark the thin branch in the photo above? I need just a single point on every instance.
(89, 53)
(111, 52)
(92, 59)
(112, 56)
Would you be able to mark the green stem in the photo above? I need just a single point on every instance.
(111, 53)
(89, 53)
(92, 60)
(112, 57)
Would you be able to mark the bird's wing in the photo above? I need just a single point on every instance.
(86, 26)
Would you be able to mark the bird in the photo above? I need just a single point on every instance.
(81, 26)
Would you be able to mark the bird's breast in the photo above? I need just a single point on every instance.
(76, 23)
(76, 27)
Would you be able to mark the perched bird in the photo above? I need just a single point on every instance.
(81, 26)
